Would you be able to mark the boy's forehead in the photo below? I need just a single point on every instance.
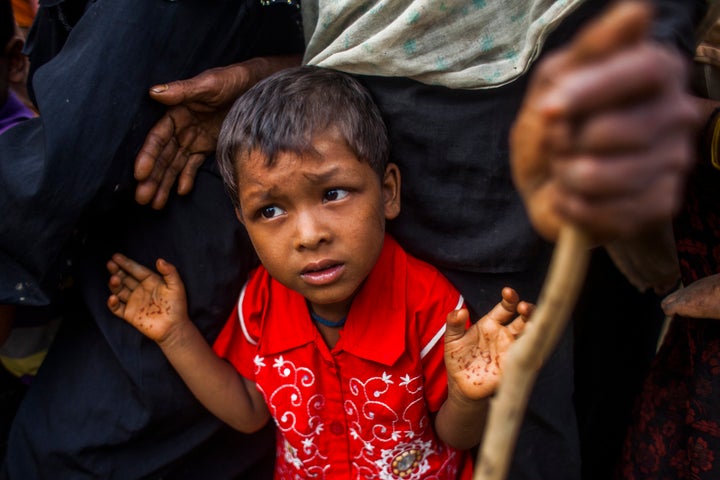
(324, 161)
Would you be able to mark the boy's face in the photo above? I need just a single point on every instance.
(317, 222)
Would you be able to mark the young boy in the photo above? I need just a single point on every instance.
(338, 335)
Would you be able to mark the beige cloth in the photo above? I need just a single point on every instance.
(466, 44)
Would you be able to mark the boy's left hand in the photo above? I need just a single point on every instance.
(474, 357)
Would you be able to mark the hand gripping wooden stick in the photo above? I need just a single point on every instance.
(625, 24)
(527, 355)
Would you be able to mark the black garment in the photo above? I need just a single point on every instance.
(460, 212)
(106, 403)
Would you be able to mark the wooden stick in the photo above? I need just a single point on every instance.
(529, 352)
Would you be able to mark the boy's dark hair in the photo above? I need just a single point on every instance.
(7, 24)
(284, 111)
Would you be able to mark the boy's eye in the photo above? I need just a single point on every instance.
(335, 194)
(271, 211)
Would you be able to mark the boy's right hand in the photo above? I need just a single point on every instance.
(152, 303)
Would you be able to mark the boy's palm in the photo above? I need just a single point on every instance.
(151, 303)
(474, 357)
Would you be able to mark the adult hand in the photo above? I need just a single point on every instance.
(700, 299)
(606, 132)
(179, 142)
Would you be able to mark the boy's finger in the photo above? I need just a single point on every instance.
(124, 294)
(170, 274)
(126, 281)
(526, 309)
(115, 306)
(131, 267)
(456, 321)
(510, 299)
(517, 326)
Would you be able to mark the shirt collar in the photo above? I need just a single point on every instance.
(376, 324)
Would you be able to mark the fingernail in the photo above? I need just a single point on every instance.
(160, 88)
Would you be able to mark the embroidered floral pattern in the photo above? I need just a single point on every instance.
(389, 430)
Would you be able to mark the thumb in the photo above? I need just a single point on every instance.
(170, 274)
(456, 322)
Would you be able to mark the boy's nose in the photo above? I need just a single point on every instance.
(312, 231)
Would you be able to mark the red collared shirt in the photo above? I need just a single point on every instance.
(363, 409)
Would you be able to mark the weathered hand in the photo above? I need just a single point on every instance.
(607, 131)
(178, 144)
(700, 299)
(151, 303)
(474, 357)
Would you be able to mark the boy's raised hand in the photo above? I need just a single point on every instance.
(474, 357)
(152, 303)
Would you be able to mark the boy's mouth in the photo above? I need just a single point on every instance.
(322, 273)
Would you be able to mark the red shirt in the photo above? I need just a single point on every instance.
(363, 409)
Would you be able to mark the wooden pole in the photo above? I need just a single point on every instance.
(526, 356)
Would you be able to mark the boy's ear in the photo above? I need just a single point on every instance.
(17, 61)
(391, 191)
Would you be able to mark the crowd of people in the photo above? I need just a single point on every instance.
(505, 121)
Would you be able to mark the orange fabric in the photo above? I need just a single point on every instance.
(24, 11)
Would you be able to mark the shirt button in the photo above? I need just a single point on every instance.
(337, 428)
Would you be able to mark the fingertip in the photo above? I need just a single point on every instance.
(185, 185)
(526, 309)
(144, 193)
(667, 305)
(159, 199)
(459, 316)
(163, 266)
(510, 295)
(159, 89)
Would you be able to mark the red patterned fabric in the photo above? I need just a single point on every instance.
(676, 434)
(363, 409)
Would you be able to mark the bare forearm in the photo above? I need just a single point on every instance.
(213, 381)
(460, 422)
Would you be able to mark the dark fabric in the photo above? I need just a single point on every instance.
(676, 429)
(616, 334)
(105, 403)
